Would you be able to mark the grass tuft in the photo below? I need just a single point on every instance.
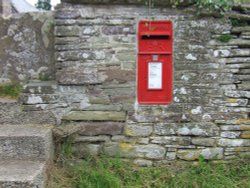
(104, 172)
(10, 90)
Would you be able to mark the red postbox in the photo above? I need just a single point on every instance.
(155, 62)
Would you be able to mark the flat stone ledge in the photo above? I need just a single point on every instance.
(132, 2)
(27, 174)
(95, 116)
(100, 128)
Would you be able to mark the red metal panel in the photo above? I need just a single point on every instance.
(155, 46)
(155, 36)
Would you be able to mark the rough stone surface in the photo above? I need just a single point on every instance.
(171, 140)
(204, 141)
(245, 134)
(25, 151)
(196, 129)
(95, 116)
(83, 150)
(234, 142)
(28, 174)
(208, 153)
(143, 162)
(135, 130)
(27, 52)
(157, 3)
(91, 139)
(150, 151)
(18, 142)
(102, 128)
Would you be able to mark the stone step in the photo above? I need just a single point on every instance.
(40, 87)
(9, 111)
(22, 174)
(29, 142)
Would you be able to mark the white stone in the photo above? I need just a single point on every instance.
(183, 91)
(222, 53)
(88, 30)
(34, 99)
(100, 55)
(183, 117)
(183, 131)
(206, 117)
(197, 131)
(212, 153)
(171, 155)
(85, 55)
(197, 110)
(232, 142)
(229, 134)
(84, 103)
(190, 57)
(176, 99)
(151, 151)
(185, 77)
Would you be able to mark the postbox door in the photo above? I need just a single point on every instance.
(155, 79)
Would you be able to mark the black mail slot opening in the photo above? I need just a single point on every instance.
(154, 37)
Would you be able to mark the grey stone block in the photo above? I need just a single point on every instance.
(208, 153)
(40, 87)
(22, 174)
(102, 128)
(26, 142)
(138, 130)
(195, 129)
(95, 116)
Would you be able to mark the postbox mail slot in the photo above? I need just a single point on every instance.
(155, 37)
(154, 34)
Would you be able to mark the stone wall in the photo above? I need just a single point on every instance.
(93, 96)
(27, 47)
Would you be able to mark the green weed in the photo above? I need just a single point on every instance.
(238, 23)
(67, 150)
(44, 77)
(224, 38)
(10, 90)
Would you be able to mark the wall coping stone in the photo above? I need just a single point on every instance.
(130, 2)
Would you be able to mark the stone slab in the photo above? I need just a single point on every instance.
(135, 2)
(95, 116)
(43, 87)
(25, 142)
(18, 174)
(100, 128)
(207, 153)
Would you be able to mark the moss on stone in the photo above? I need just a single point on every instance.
(224, 38)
